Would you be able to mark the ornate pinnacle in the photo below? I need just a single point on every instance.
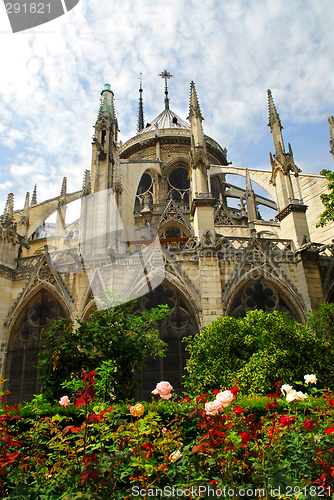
(9, 208)
(166, 75)
(86, 187)
(273, 115)
(63, 188)
(25, 212)
(34, 196)
(26, 204)
(194, 107)
(7, 217)
(140, 124)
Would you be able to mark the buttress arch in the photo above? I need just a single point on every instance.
(260, 177)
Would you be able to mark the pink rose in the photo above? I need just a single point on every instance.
(225, 398)
(64, 401)
(164, 389)
(212, 408)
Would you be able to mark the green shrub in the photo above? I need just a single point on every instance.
(113, 336)
(322, 321)
(255, 352)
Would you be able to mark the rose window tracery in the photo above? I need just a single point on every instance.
(43, 311)
(260, 295)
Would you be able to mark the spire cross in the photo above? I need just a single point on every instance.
(166, 75)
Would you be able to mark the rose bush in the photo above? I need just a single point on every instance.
(97, 453)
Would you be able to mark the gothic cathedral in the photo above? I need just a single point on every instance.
(185, 236)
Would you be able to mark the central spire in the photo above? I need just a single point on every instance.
(166, 75)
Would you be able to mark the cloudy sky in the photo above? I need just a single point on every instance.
(51, 78)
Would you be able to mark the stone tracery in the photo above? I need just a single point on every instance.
(25, 343)
(179, 324)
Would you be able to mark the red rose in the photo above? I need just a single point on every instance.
(286, 421)
(307, 424)
(237, 409)
(245, 439)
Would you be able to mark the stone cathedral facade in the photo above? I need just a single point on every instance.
(217, 255)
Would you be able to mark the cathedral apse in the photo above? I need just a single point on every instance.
(218, 253)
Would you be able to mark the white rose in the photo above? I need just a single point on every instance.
(300, 396)
(310, 379)
(287, 388)
(291, 395)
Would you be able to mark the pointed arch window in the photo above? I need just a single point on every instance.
(179, 184)
(179, 323)
(103, 135)
(215, 188)
(259, 294)
(25, 344)
(145, 190)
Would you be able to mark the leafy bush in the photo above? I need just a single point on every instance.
(327, 200)
(322, 321)
(255, 352)
(113, 339)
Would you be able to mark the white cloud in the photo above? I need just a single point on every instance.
(5, 186)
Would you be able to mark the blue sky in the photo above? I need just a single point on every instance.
(51, 79)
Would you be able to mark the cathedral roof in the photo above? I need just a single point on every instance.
(166, 119)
